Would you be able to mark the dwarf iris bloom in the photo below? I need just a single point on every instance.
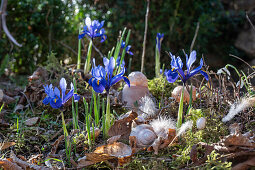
(102, 77)
(176, 71)
(118, 62)
(93, 29)
(127, 48)
(55, 99)
(159, 39)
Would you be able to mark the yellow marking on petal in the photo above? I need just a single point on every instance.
(97, 82)
(172, 69)
(126, 77)
(55, 100)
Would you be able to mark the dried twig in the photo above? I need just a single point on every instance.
(145, 33)
(97, 50)
(195, 37)
(242, 61)
(250, 21)
(66, 46)
(3, 17)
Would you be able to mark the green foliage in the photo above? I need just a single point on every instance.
(160, 85)
(44, 26)
(195, 114)
(4, 64)
(39, 26)
(214, 163)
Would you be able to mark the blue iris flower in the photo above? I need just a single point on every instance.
(159, 39)
(53, 95)
(118, 62)
(102, 77)
(93, 29)
(176, 71)
(127, 48)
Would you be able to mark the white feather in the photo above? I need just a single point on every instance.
(162, 124)
(148, 107)
(185, 126)
(238, 107)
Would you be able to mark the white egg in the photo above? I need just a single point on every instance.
(201, 123)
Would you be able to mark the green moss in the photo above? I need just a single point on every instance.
(160, 85)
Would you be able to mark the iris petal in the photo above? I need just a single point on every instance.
(191, 60)
(68, 96)
(57, 104)
(62, 85)
(57, 92)
(196, 70)
(126, 80)
(171, 76)
(204, 74)
(98, 86)
(46, 100)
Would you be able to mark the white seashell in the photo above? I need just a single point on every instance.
(137, 78)
(201, 123)
(144, 134)
(176, 94)
(133, 94)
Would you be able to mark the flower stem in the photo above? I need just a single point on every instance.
(180, 111)
(64, 124)
(79, 52)
(108, 114)
(87, 63)
(157, 62)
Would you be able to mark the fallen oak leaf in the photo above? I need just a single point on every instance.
(117, 152)
(55, 145)
(6, 164)
(123, 126)
(245, 165)
(237, 140)
(31, 121)
(26, 165)
(6, 145)
(113, 139)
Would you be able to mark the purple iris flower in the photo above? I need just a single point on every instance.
(93, 29)
(176, 71)
(102, 77)
(127, 48)
(53, 95)
(159, 39)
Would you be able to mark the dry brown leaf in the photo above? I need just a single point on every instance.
(171, 136)
(245, 165)
(8, 165)
(55, 145)
(97, 132)
(113, 139)
(123, 126)
(6, 145)
(39, 73)
(31, 121)
(18, 108)
(93, 158)
(24, 164)
(237, 140)
(117, 149)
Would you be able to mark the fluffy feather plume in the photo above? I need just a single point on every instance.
(185, 126)
(162, 124)
(238, 107)
(147, 106)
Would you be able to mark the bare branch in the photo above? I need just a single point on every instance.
(145, 33)
(250, 21)
(194, 38)
(3, 13)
